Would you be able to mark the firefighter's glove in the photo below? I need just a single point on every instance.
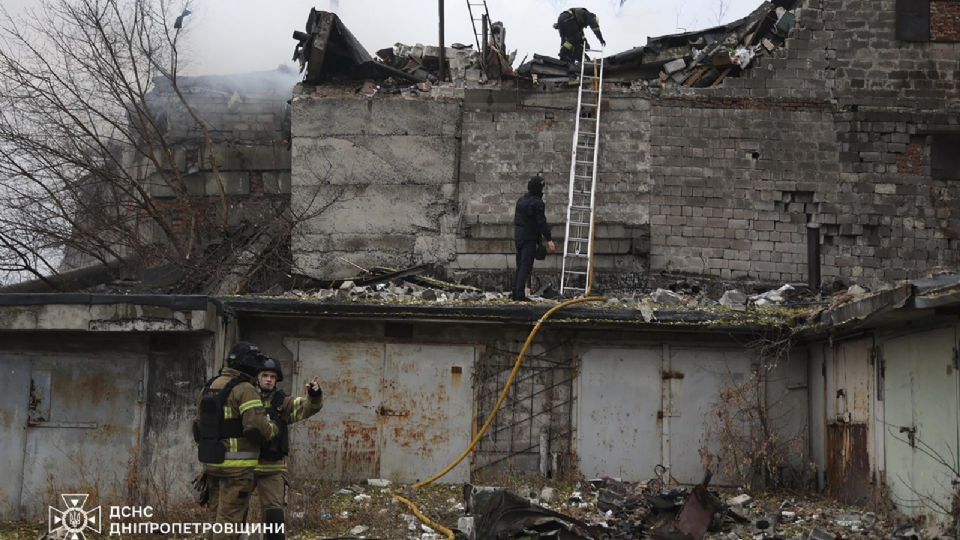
(313, 388)
(202, 487)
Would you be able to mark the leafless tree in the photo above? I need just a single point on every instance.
(83, 149)
(720, 9)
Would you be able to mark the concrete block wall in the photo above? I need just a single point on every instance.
(244, 115)
(378, 178)
(848, 50)
(841, 119)
(509, 137)
(735, 185)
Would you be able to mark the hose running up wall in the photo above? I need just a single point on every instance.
(493, 414)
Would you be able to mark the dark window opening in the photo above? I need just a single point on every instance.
(945, 156)
(913, 20)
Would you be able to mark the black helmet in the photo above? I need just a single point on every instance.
(246, 358)
(535, 185)
(269, 364)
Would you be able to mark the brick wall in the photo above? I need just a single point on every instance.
(945, 20)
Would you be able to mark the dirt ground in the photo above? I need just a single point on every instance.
(328, 510)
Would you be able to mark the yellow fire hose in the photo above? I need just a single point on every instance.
(493, 414)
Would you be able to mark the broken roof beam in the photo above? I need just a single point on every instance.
(328, 49)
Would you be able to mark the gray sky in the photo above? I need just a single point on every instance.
(232, 36)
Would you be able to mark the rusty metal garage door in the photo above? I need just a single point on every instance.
(84, 417)
(397, 411)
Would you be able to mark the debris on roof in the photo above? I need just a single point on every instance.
(698, 59)
(328, 52)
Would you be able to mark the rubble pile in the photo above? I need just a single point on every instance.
(596, 509)
(411, 286)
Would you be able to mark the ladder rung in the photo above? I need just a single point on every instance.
(575, 273)
(581, 208)
(577, 240)
(577, 255)
(574, 288)
(587, 162)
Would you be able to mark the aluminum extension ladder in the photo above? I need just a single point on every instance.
(576, 276)
(476, 19)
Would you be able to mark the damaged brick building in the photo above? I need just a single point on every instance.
(841, 118)
(851, 124)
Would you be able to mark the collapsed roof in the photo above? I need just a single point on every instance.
(328, 51)
(699, 59)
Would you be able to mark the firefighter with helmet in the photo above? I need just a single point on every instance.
(230, 427)
(271, 472)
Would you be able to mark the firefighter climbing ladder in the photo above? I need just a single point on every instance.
(576, 276)
(478, 11)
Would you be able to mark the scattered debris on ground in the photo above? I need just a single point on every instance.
(595, 509)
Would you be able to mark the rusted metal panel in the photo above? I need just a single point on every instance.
(342, 442)
(618, 401)
(848, 466)
(921, 389)
(425, 410)
(82, 444)
(14, 399)
(693, 396)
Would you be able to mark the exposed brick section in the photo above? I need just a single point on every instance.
(945, 20)
(911, 162)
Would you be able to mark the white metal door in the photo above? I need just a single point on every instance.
(921, 406)
(696, 378)
(618, 401)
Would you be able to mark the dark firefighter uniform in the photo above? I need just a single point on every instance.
(529, 225)
(271, 477)
(230, 427)
(571, 23)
